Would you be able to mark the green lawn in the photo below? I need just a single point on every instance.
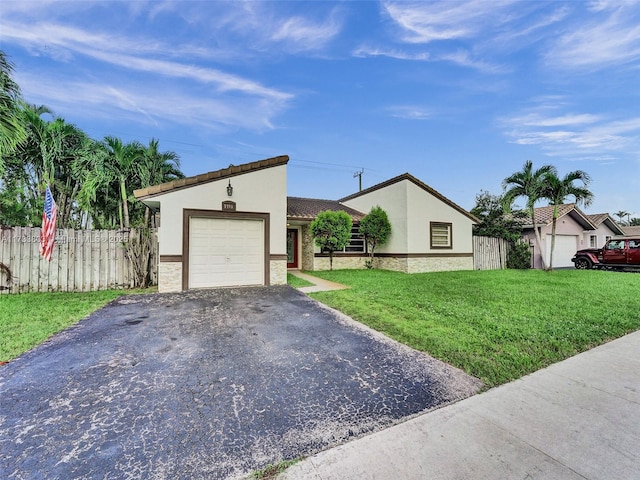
(495, 325)
(28, 319)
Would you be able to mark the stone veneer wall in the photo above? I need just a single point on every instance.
(169, 277)
(439, 264)
(339, 263)
(398, 264)
(307, 260)
(278, 272)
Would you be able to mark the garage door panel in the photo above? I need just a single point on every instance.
(226, 252)
(565, 247)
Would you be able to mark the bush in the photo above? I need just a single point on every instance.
(519, 256)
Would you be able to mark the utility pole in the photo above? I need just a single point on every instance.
(359, 175)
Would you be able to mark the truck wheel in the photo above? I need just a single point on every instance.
(583, 263)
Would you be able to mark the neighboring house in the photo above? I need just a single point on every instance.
(606, 227)
(574, 230)
(236, 226)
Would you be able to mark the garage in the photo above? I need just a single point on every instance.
(224, 228)
(565, 248)
(225, 252)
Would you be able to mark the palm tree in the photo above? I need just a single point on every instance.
(12, 131)
(529, 184)
(123, 165)
(556, 190)
(159, 167)
(621, 214)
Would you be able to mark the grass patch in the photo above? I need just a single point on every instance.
(297, 282)
(272, 471)
(495, 325)
(28, 319)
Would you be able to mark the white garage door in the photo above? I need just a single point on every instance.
(566, 247)
(225, 252)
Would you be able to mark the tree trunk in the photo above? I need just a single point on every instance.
(125, 203)
(538, 241)
(553, 236)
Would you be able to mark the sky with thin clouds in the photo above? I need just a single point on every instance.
(458, 93)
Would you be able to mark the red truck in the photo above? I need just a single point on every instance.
(618, 253)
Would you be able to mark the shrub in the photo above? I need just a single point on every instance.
(519, 256)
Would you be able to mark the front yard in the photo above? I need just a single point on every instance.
(495, 325)
(28, 319)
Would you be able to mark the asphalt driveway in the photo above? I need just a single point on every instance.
(207, 384)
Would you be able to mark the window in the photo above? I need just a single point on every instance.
(593, 241)
(441, 235)
(607, 238)
(616, 245)
(356, 243)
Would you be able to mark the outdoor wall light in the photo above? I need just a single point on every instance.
(229, 189)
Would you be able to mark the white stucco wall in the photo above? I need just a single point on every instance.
(424, 208)
(601, 233)
(262, 191)
(393, 200)
(410, 209)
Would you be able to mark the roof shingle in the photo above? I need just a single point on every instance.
(308, 208)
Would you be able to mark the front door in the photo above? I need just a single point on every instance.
(292, 248)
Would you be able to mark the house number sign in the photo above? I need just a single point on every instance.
(229, 206)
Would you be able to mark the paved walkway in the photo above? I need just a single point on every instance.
(320, 284)
(577, 419)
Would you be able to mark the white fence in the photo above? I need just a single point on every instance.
(82, 260)
(490, 253)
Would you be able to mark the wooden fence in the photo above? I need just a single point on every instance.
(82, 261)
(490, 253)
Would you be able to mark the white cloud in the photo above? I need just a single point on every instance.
(366, 51)
(464, 59)
(424, 22)
(610, 37)
(584, 136)
(410, 112)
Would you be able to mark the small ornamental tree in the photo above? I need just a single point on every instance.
(331, 231)
(376, 229)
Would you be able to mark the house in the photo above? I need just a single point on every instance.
(606, 227)
(236, 226)
(574, 230)
(429, 232)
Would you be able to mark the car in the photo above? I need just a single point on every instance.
(618, 253)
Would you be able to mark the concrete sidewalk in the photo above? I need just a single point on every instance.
(577, 419)
(320, 284)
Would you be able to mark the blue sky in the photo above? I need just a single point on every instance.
(459, 94)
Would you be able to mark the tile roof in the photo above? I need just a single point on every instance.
(424, 186)
(544, 216)
(230, 171)
(631, 230)
(308, 208)
(597, 218)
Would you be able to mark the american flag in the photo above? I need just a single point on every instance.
(48, 232)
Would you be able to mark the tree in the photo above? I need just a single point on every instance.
(376, 229)
(634, 222)
(621, 214)
(123, 165)
(527, 183)
(556, 190)
(332, 231)
(12, 131)
(494, 222)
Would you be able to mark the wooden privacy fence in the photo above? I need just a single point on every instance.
(82, 260)
(490, 253)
